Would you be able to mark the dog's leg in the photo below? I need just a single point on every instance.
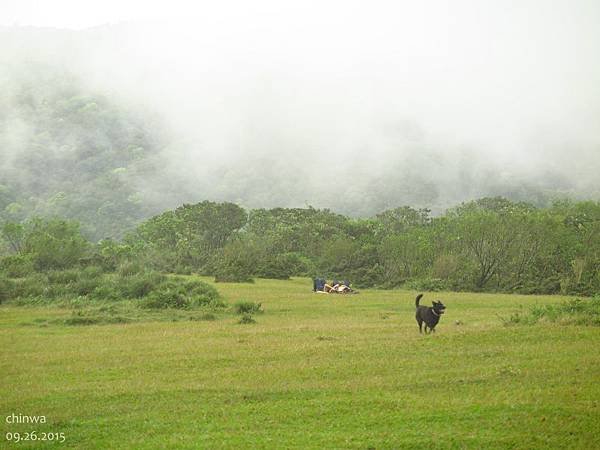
(420, 322)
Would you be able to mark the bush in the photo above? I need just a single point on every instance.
(202, 294)
(92, 272)
(86, 286)
(108, 290)
(248, 308)
(550, 285)
(16, 266)
(246, 319)
(32, 286)
(63, 276)
(233, 275)
(182, 295)
(181, 269)
(129, 269)
(6, 289)
(576, 311)
(236, 264)
(427, 284)
(278, 267)
(156, 290)
(167, 296)
(54, 244)
(139, 285)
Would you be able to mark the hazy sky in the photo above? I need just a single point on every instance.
(513, 86)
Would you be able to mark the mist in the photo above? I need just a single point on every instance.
(350, 106)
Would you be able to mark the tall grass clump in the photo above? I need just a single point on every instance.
(577, 311)
(176, 293)
(244, 307)
(140, 284)
(146, 289)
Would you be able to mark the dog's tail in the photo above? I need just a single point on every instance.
(417, 300)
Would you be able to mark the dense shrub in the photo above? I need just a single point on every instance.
(54, 244)
(278, 267)
(247, 308)
(176, 293)
(129, 268)
(33, 286)
(16, 266)
(233, 274)
(155, 290)
(201, 294)
(6, 289)
(92, 272)
(246, 319)
(63, 276)
(490, 244)
(237, 262)
(107, 290)
(168, 295)
(139, 285)
(86, 286)
(427, 284)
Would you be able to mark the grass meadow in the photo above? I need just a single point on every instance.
(314, 371)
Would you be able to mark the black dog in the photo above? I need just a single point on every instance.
(429, 315)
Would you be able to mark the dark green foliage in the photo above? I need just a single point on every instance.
(53, 244)
(248, 308)
(128, 269)
(151, 289)
(490, 244)
(427, 284)
(63, 276)
(236, 263)
(139, 285)
(190, 237)
(167, 296)
(110, 254)
(33, 286)
(16, 266)
(246, 319)
(182, 295)
(6, 289)
(202, 294)
(278, 267)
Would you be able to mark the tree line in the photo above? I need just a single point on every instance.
(490, 244)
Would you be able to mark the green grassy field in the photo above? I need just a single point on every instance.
(315, 371)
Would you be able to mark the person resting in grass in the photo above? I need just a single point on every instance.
(337, 288)
(342, 288)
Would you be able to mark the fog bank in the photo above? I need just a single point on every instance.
(346, 105)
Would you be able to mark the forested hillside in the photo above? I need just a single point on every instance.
(110, 135)
(73, 153)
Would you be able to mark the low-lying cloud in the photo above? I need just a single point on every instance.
(352, 106)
